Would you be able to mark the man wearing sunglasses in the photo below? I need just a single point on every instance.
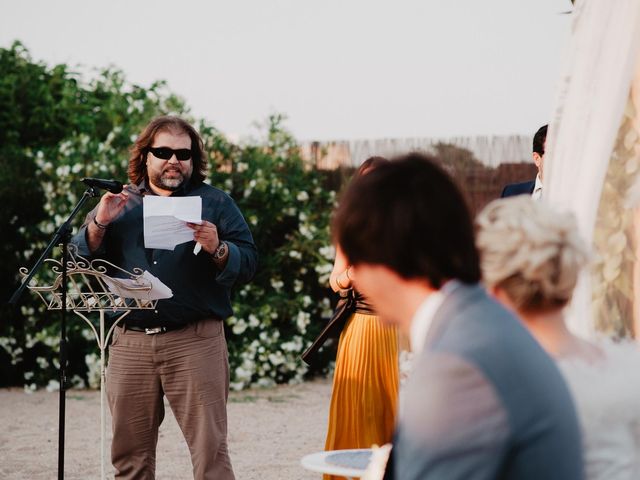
(177, 350)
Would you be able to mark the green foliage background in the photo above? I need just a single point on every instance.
(57, 127)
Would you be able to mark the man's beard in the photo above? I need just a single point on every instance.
(166, 182)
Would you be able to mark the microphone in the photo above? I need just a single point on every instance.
(112, 186)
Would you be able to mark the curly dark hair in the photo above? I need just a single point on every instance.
(138, 152)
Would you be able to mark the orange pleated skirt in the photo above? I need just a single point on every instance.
(365, 385)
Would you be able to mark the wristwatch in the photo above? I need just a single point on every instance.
(221, 251)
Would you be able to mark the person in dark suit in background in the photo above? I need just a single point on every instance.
(483, 400)
(532, 187)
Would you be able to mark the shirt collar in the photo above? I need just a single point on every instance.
(537, 188)
(423, 318)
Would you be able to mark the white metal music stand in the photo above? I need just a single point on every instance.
(91, 290)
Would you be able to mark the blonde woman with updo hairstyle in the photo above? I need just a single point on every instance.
(531, 257)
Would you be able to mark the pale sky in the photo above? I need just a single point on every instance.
(339, 69)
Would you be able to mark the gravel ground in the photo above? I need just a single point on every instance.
(270, 430)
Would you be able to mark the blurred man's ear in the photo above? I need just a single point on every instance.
(537, 159)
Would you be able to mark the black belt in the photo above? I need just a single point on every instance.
(153, 330)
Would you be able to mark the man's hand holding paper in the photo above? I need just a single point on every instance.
(206, 234)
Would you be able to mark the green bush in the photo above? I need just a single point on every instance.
(55, 129)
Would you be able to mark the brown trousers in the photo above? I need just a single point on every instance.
(190, 367)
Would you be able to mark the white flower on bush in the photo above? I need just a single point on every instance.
(236, 386)
(291, 211)
(306, 231)
(53, 386)
(63, 171)
(239, 327)
(242, 374)
(253, 321)
(326, 311)
(276, 359)
(324, 271)
(6, 343)
(15, 355)
(328, 252)
(323, 268)
(297, 285)
(306, 301)
(65, 147)
(266, 382)
(50, 340)
(302, 320)
(294, 345)
(88, 334)
(242, 167)
(78, 382)
(42, 362)
(295, 254)
(302, 196)
(93, 369)
(277, 284)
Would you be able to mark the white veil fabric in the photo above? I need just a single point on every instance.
(591, 103)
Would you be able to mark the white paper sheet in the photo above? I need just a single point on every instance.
(165, 220)
(129, 288)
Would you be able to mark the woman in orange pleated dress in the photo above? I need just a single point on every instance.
(365, 382)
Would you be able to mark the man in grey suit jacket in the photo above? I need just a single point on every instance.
(483, 401)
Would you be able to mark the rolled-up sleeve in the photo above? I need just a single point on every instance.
(80, 238)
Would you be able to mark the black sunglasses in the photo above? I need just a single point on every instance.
(165, 153)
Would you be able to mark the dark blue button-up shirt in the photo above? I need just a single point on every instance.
(200, 290)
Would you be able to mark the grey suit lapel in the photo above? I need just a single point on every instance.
(461, 296)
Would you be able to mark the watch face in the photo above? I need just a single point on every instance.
(220, 251)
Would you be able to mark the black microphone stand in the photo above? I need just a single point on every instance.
(62, 235)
